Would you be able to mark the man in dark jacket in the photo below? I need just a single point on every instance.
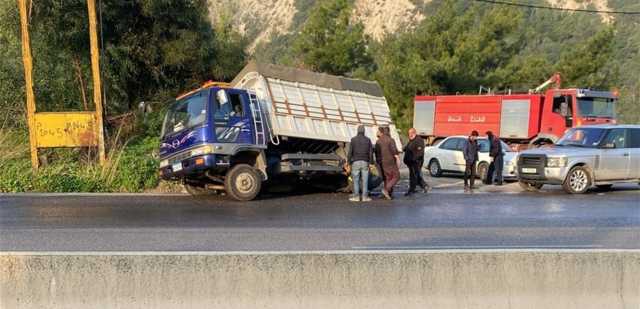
(497, 163)
(387, 156)
(470, 152)
(360, 156)
(414, 159)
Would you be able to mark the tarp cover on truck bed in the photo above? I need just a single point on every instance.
(306, 104)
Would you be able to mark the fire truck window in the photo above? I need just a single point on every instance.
(562, 106)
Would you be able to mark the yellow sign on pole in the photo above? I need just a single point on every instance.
(73, 129)
(63, 129)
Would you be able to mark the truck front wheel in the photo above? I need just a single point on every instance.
(243, 182)
(578, 180)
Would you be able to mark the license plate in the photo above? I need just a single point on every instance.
(529, 170)
(176, 167)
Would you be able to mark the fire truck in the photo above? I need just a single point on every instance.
(533, 118)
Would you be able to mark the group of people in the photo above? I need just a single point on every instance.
(470, 152)
(387, 161)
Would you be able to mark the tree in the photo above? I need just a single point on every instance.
(331, 42)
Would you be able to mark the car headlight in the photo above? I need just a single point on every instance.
(556, 161)
(202, 150)
(164, 163)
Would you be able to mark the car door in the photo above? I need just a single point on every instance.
(446, 153)
(459, 164)
(634, 152)
(614, 156)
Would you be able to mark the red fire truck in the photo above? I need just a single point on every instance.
(521, 119)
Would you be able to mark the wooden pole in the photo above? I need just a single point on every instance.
(28, 79)
(97, 85)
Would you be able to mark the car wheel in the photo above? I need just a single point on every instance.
(482, 170)
(243, 183)
(434, 168)
(578, 180)
(530, 186)
(605, 187)
(195, 190)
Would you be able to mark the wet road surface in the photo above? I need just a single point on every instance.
(494, 217)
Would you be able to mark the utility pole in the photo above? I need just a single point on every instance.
(28, 78)
(97, 84)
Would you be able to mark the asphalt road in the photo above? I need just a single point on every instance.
(493, 217)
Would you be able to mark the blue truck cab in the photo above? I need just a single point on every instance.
(206, 132)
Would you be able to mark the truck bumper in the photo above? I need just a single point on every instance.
(191, 167)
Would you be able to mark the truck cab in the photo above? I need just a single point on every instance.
(205, 131)
(568, 108)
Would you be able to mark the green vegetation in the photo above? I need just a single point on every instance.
(156, 49)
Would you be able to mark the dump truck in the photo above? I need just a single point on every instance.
(522, 120)
(270, 124)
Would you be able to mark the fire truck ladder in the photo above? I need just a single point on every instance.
(258, 120)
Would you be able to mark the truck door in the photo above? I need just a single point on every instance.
(563, 106)
(232, 117)
(614, 156)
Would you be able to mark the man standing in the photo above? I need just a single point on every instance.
(414, 159)
(387, 156)
(359, 156)
(495, 152)
(470, 152)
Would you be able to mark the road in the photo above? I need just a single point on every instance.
(493, 217)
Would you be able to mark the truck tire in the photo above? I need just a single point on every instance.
(578, 180)
(195, 190)
(530, 186)
(434, 168)
(242, 182)
(481, 171)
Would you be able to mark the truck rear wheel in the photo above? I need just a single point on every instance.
(578, 180)
(530, 186)
(243, 183)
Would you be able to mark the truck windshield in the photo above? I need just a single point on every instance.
(596, 107)
(582, 137)
(185, 113)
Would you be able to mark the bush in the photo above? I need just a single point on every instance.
(130, 169)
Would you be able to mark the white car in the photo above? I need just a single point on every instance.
(447, 157)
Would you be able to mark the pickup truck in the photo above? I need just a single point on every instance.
(588, 156)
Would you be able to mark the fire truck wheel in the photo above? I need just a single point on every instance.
(530, 186)
(434, 168)
(242, 182)
(578, 180)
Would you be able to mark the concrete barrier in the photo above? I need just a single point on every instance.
(384, 279)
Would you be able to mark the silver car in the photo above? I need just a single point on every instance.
(584, 157)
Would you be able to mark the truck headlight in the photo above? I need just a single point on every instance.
(202, 150)
(164, 163)
(557, 162)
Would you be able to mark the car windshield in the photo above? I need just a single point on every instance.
(596, 107)
(483, 145)
(582, 137)
(186, 113)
